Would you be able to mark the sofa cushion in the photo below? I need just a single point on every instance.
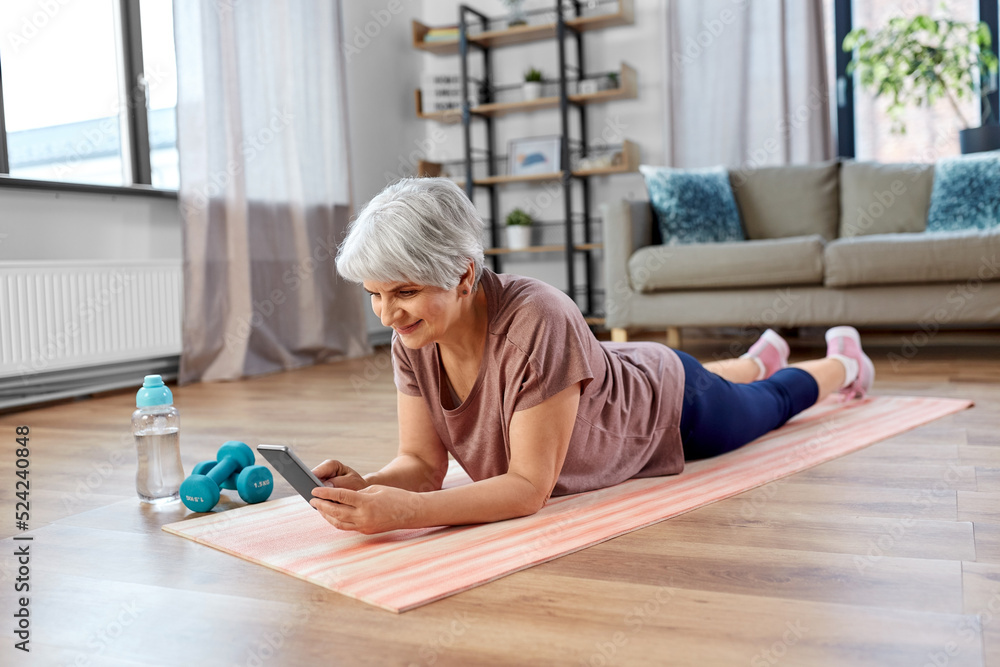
(966, 193)
(793, 200)
(693, 205)
(884, 198)
(930, 257)
(774, 262)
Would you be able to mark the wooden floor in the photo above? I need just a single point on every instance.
(889, 556)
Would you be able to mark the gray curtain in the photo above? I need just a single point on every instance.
(746, 83)
(264, 189)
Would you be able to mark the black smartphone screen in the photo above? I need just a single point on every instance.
(291, 468)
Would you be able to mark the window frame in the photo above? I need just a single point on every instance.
(843, 23)
(988, 12)
(136, 123)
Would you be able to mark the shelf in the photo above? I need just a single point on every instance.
(450, 116)
(523, 34)
(543, 248)
(628, 90)
(500, 180)
(443, 47)
(629, 164)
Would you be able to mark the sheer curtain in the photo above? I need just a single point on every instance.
(264, 187)
(746, 83)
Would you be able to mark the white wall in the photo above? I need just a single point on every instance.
(40, 224)
(381, 70)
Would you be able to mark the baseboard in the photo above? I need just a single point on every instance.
(34, 388)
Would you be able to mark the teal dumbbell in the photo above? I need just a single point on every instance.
(203, 468)
(200, 492)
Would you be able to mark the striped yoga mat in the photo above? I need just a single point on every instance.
(404, 569)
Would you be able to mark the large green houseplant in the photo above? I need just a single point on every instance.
(921, 60)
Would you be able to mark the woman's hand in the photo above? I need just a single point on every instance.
(374, 509)
(336, 474)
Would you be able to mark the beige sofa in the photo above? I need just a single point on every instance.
(828, 243)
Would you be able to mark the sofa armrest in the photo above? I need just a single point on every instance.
(627, 226)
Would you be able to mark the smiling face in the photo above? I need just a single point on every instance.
(420, 314)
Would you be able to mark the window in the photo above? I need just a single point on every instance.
(160, 71)
(864, 126)
(64, 68)
(931, 132)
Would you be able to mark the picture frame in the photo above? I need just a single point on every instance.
(528, 156)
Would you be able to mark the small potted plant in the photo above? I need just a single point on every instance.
(611, 81)
(518, 229)
(517, 15)
(532, 84)
(922, 60)
(588, 86)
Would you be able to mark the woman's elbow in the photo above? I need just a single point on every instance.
(537, 505)
(531, 503)
(432, 477)
(523, 496)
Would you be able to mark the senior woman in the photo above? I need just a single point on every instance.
(503, 373)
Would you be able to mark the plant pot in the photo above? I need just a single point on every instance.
(532, 90)
(518, 237)
(980, 139)
(517, 15)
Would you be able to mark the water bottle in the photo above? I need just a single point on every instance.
(155, 425)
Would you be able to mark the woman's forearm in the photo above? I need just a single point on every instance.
(494, 499)
(407, 472)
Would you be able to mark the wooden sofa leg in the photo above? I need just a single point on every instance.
(619, 335)
(674, 337)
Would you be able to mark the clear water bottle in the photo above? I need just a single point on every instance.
(155, 425)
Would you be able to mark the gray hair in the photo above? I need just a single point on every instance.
(420, 230)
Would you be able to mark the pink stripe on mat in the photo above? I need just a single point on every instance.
(408, 568)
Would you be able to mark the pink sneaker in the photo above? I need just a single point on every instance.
(771, 351)
(846, 341)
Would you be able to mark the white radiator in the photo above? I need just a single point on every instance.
(60, 318)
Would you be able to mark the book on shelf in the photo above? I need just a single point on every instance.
(441, 35)
(441, 92)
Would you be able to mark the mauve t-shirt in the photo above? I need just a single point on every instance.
(538, 343)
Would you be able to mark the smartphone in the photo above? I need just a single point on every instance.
(291, 468)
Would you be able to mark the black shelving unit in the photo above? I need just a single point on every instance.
(478, 38)
(468, 16)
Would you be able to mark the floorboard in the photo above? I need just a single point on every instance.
(888, 556)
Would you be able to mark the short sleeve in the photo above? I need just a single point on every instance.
(558, 350)
(402, 370)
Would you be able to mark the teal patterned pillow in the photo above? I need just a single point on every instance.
(966, 193)
(693, 205)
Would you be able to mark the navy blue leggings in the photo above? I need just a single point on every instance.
(719, 416)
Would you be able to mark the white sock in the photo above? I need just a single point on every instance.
(850, 368)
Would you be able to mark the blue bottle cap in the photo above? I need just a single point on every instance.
(153, 392)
